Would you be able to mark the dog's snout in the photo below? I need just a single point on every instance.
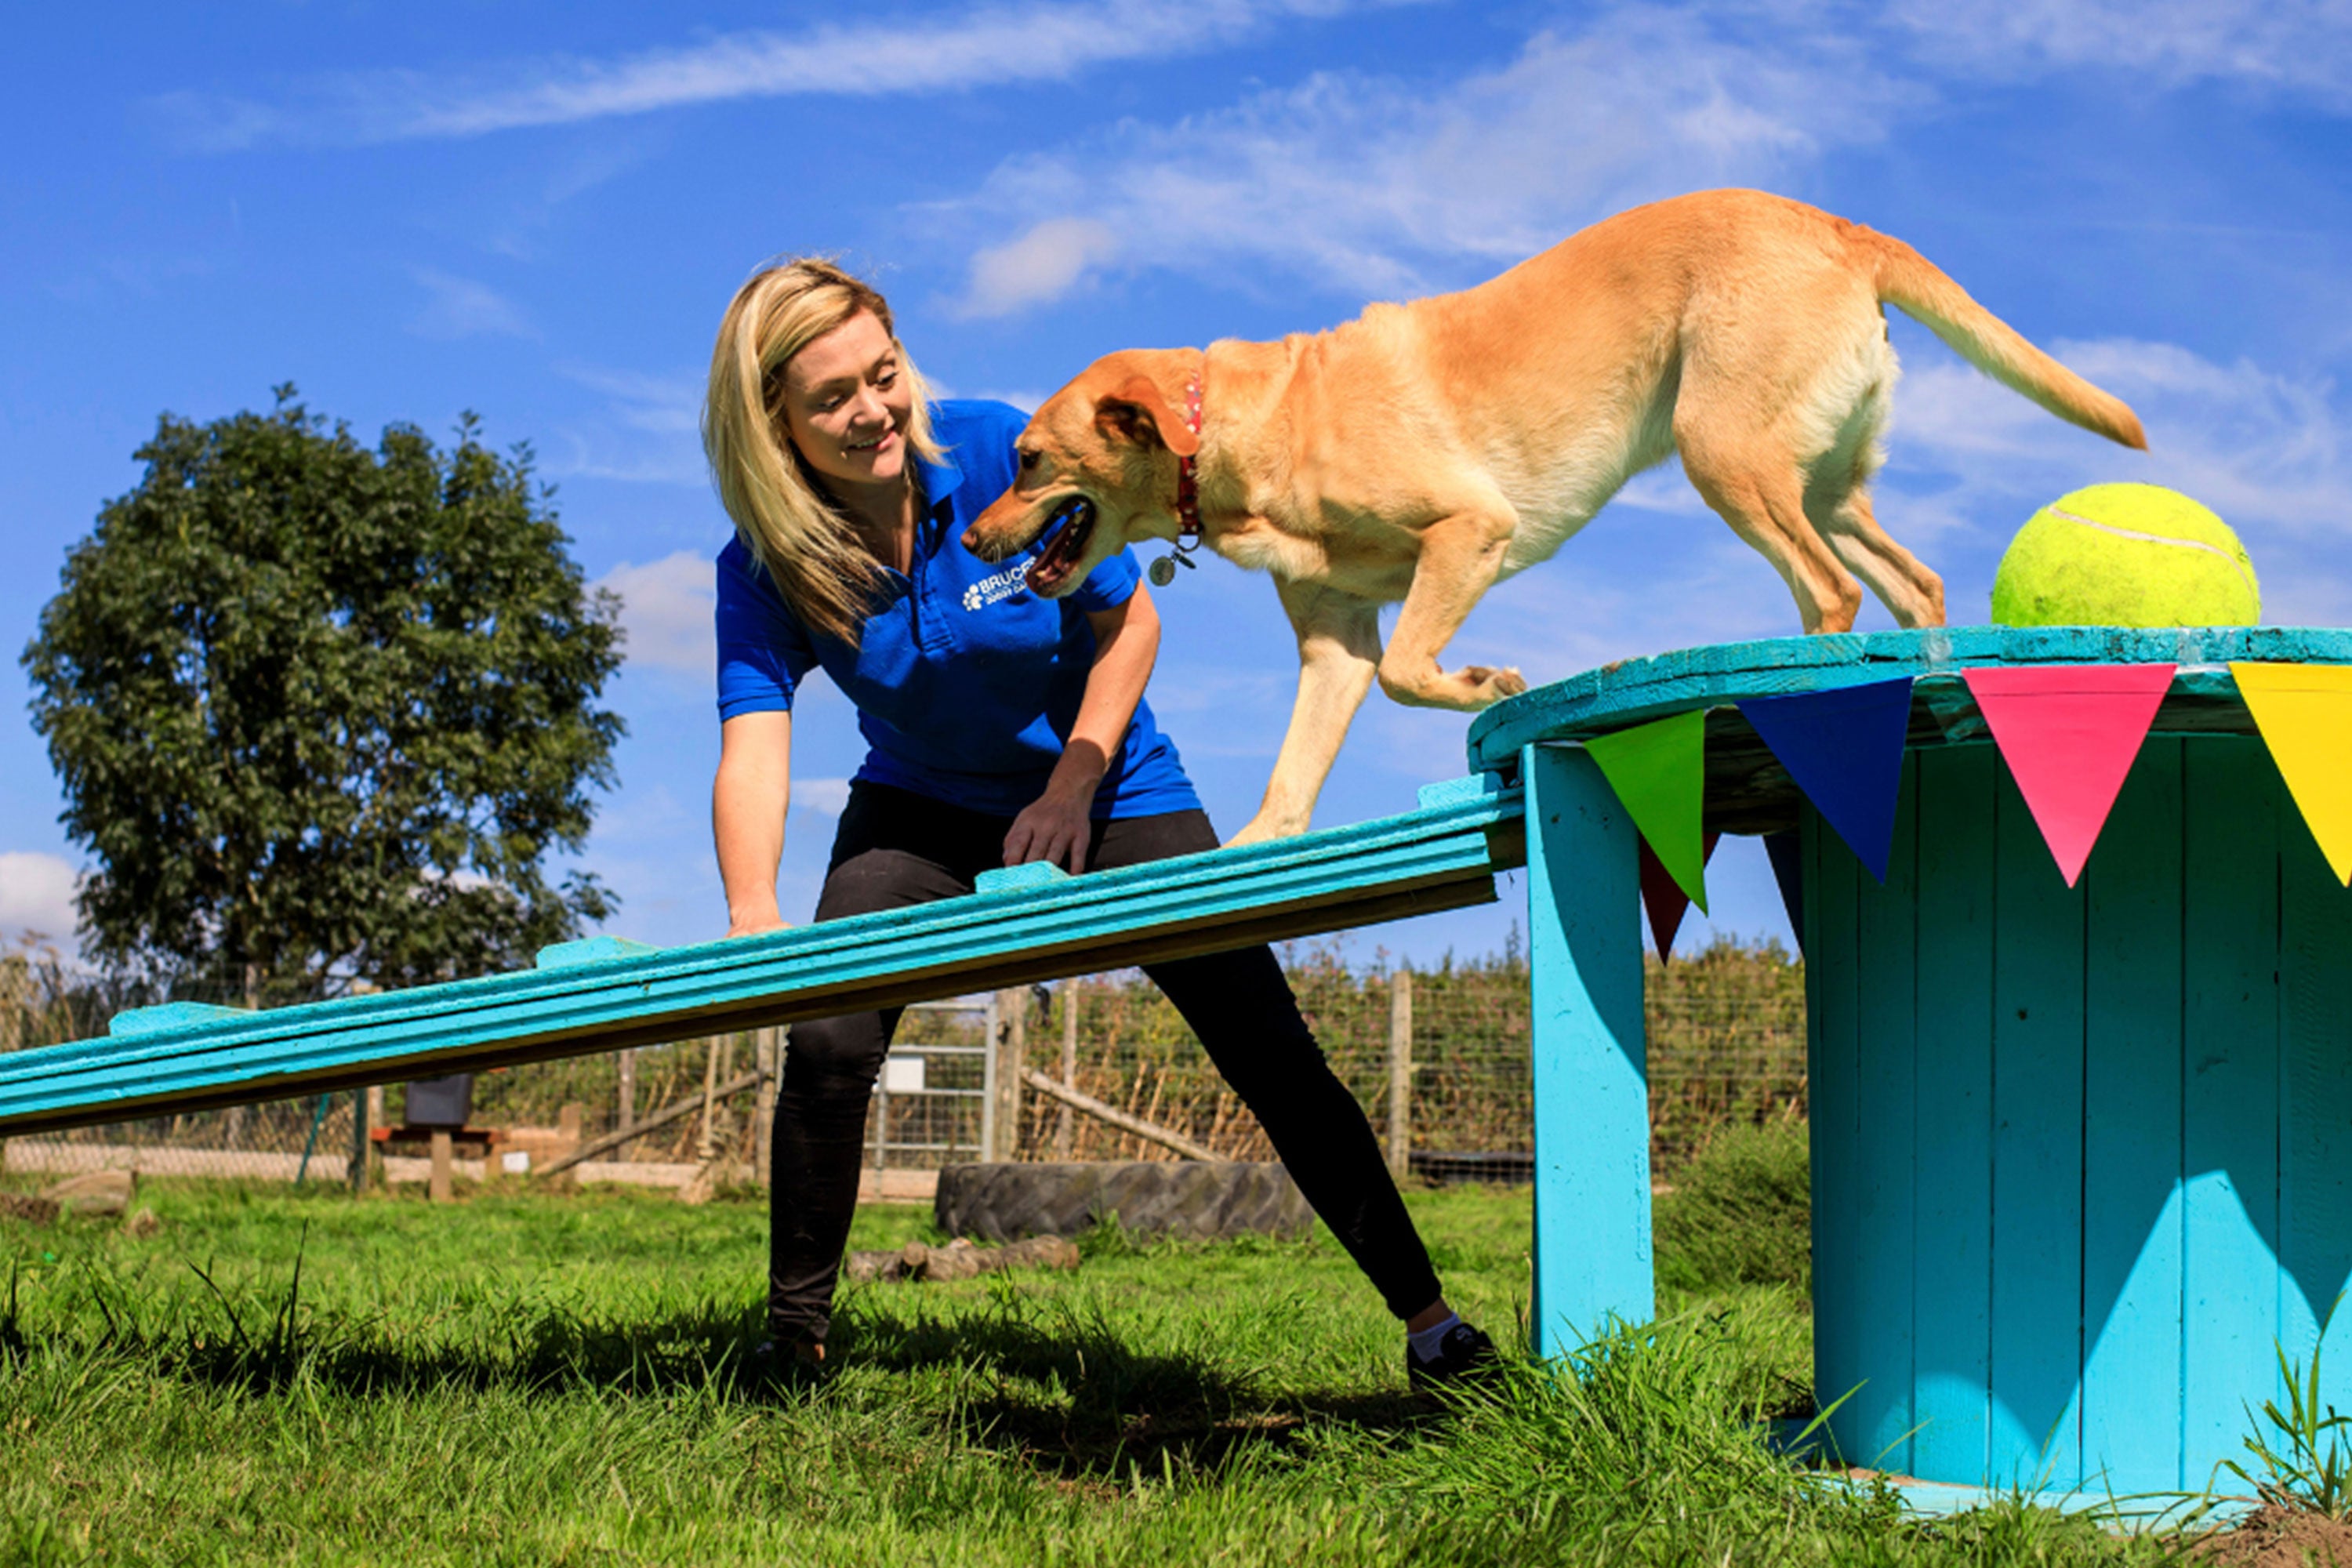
(980, 544)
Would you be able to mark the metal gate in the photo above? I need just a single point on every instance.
(935, 1103)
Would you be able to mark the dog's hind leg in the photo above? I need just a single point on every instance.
(1339, 649)
(1755, 488)
(1911, 593)
(1460, 558)
(1837, 503)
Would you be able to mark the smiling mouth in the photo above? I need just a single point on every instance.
(1067, 532)
(879, 437)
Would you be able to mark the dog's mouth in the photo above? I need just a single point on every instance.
(1068, 533)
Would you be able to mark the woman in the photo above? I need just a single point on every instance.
(1003, 728)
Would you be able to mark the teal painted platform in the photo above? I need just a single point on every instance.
(602, 994)
(2082, 1158)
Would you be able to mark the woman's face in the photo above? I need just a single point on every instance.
(846, 407)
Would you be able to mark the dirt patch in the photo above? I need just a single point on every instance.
(31, 1210)
(2276, 1537)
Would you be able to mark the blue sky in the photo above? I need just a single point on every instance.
(538, 212)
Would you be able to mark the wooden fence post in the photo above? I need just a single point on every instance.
(1012, 1052)
(375, 1119)
(356, 1172)
(1400, 1072)
(439, 1191)
(767, 1058)
(1066, 1129)
(626, 1113)
(703, 1142)
(16, 997)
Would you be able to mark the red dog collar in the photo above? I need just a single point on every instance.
(1188, 492)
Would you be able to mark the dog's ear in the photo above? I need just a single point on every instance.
(1136, 413)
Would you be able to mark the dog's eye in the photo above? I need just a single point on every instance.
(1028, 461)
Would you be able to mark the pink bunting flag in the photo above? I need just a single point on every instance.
(1664, 897)
(2069, 734)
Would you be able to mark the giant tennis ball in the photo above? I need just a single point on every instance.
(2126, 555)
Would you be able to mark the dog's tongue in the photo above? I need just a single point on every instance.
(1054, 562)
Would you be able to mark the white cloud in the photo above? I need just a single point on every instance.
(37, 893)
(991, 46)
(650, 431)
(666, 609)
(1370, 185)
(2298, 46)
(462, 308)
(1040, 265)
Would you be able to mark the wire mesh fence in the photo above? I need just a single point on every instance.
(1726, 1040)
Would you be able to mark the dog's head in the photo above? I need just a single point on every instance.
(1097, 466)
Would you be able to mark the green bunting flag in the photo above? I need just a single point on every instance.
(1659, 771)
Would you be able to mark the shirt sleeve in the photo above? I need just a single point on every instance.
(763, 649)
(1110, 584)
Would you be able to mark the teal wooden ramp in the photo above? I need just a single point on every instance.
(600, 995)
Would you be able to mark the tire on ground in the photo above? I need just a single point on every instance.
(1153, 1198)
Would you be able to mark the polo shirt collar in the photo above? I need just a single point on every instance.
(940, 480)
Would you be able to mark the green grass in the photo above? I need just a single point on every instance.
(555, 1380)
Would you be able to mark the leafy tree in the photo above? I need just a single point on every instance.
(320, 713)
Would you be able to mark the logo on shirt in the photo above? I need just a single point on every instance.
(995, 590)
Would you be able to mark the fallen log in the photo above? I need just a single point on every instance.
(1150, 1131)
(645, 1124)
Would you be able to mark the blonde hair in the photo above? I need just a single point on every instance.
(808, 548)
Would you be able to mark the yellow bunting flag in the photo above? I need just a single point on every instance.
(2304, 713)
(1659, 771)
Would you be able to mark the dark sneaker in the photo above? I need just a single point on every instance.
(796, 1363)
(1463, 1356)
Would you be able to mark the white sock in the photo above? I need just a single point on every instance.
(1425, 1342)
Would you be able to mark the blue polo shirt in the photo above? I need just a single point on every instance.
(966, 683)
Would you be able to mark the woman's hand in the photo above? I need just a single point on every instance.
(757, 924)
(1056, 827)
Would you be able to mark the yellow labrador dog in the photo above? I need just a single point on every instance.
(1423, 452)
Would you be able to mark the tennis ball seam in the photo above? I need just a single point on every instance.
(2109, 528)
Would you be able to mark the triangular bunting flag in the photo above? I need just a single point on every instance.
(1844, 749)
(1659, 771)
(1788, 855)
(2069, 734)
(1665, 901)
(2304, 713)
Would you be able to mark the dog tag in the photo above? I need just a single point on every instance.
(1162, 572)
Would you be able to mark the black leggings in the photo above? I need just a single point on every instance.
(895, 848)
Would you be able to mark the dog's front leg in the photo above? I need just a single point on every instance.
(1339, 649)
(1460, 557)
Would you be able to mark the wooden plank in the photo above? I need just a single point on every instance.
(1884, 1177)
(2037, 1156)
(2316, 1107)
(2231, 1105)
(1439, 857)
(1833, 1103)
(2132, 1213)
(1591, 1102)
(1952, 1266)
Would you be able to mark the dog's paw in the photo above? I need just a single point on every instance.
(1488, 685)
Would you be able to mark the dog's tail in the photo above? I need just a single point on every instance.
(1916, 286)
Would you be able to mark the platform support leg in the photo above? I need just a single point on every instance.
(1591, 1093)
(442, 1162)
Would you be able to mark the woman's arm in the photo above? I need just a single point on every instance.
(1057, 824)
(748, 801)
